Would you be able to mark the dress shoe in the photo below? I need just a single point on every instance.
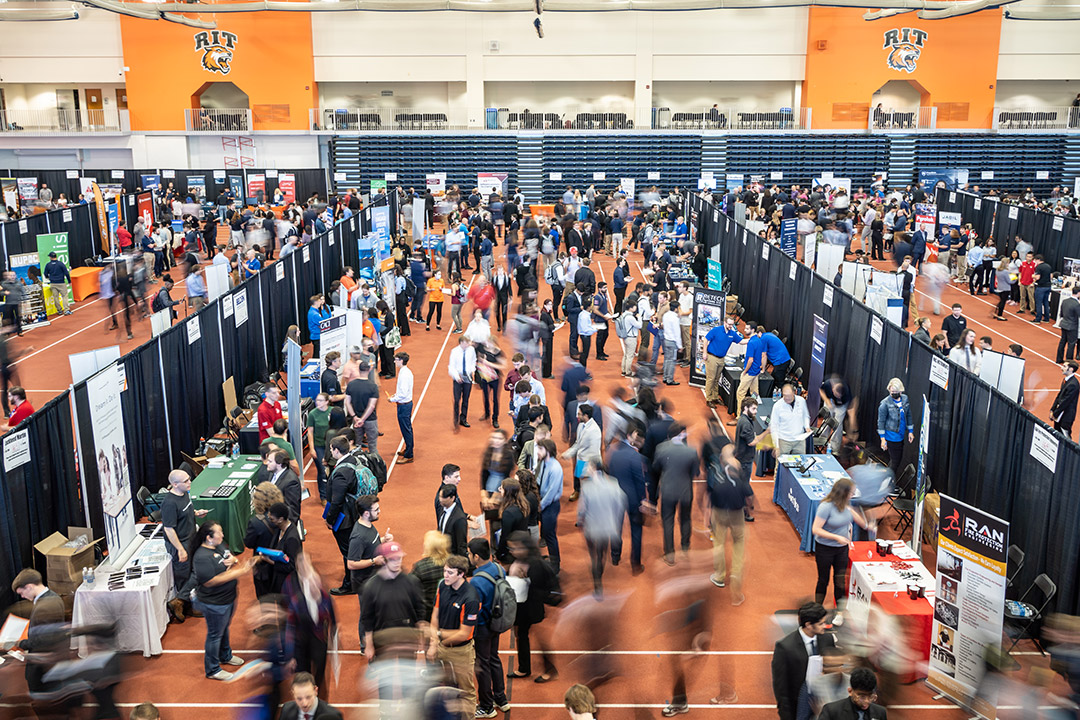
(494, 422)
(675, 382)
(341, 591)
(637, 569)
(574, 496)
(465, 423)
(404, 460)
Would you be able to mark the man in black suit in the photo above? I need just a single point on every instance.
(277, 463)
(859, 705)
(1064, 408)
(791, 656)
(625, 464)
(453, 522)
(45, 634)
(451, 475)
(306, 704)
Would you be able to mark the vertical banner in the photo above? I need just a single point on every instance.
(419, 217)
(146, 209)
(715, 275)
(27, 189)
(296, 424)
(236, 185)
(789, 236)
(926, 219)
(492, 182)
(256, 187)
(104, 235)
(436, 183)
(53, 243)
(817, 365)
(196, 185)
(920, 478)
(107, 425)
(709, 309)
(287, 184)
(969, 602)
(11, 192)
(380, 227)
(150, 182)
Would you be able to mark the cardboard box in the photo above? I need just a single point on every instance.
(65, 564)
(931, 518)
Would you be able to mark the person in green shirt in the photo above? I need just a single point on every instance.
(277, 438)
(318, 421)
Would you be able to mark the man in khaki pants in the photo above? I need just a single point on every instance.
(457, 607)
(755, 360)
(728, 491)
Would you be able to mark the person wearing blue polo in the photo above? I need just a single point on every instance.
(682, 232)
(755, 353)
(316, 313)
(718, 341)
(778, 356)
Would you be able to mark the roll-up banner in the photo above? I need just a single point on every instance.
(107, 425)
(709, 308)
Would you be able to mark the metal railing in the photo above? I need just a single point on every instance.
(1042, 118)
(404, 119)
(57, 121)
(728, 118)
(217, 120)
(902, 119)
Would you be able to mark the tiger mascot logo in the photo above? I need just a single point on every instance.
(902, 57)
(217, 59)
(217, 48)
(905, 46)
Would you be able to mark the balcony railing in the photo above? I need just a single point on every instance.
(727, 118)
(405, 119)
(217, 120)
(1043, 118)
(57, 121)
(902, 119)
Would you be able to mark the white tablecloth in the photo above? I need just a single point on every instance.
(139, 613)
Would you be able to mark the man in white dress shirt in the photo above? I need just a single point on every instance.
(402, 397)
(790, 421)
(462, 367)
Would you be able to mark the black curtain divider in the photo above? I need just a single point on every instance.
(145, 429)
(308, 276)
(185, 387)
(1062, 551)
(81, 229)
(211, 348)
(279, 307)
(17, 240)
(11, 556)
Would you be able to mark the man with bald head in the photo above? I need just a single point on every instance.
(178, 517)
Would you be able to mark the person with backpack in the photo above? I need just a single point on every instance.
(627, 328)
(555, 276)
(498, 611)
(340, 511)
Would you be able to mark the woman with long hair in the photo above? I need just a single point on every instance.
(513, 515)
(458, 293)
(1003, 284)
(386, 317)
(832, 532)
(216, 572)
(311, 623)
(940, 343)
(542, 587)
(495, 466)
(429, 568)
(260, 531)
(531, 490)
(966, 353)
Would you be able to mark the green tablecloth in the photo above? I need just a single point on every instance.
(233, 511)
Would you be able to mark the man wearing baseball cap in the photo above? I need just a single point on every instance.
(391, 607)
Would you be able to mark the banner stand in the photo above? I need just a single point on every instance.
(710, 307)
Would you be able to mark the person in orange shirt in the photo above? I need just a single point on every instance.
(436, 297)
(348, 281)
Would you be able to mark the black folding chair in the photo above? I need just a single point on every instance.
(901, 494)
(1027, 615)
(1016, 562)
(905, 506)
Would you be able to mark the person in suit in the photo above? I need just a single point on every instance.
(790, 660)
(309, 632)
(859, 704)
(43, 634)
(453, 522)
(451, 475)
(286, 480)
(260, 532)
(1064, 408)
(286, 539)
(306, 704)
(625, 464)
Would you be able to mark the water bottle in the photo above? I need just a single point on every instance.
(92, 576)
(236, 450)
(86, 576)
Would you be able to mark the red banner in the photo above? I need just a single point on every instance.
(287, 183)
(257, 187)
(146, 209)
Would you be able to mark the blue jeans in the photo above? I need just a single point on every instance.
(217, 648)
(657, 343)
(549, 531)
(320, 473)
(1042, 304)
(404, 421)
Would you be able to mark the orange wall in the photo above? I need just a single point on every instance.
(271, 61)
(957, 63)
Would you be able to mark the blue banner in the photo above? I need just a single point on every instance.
(151, 182)
(789, 236)
(236, 184)
(196, 185)
(952, 177)
(715, 276)
(114, 223)
(817, 365)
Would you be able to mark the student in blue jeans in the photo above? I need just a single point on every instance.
(549, 478)
(216, 572)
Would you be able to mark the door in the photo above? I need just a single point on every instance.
(95, 104)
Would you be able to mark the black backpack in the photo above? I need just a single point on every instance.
(375, 464)
(503, 603)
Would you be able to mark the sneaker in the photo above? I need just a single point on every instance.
(234, 660)
(673, 710)
(222, 675)
(504, 706)
(482, 713)
(716, 581)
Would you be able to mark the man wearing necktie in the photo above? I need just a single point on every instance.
(306, 704)
(792, 665)
(462, 367)
(859, 704)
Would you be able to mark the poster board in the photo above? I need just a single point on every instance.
(969, 601)
(710, 306)
(217, 280)
(107, 428)
(829, 258)
(10, 188)
(89, 363)
(490, 182)
(1005, 372)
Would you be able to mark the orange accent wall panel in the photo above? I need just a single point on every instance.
(947, 62)
(266, 55)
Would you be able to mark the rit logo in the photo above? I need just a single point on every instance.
(899, 36)
(219, 38)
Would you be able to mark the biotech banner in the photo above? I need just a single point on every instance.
(491, 182)
(969, 602)
(107, 425)
(709, 308)
(817, 363)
